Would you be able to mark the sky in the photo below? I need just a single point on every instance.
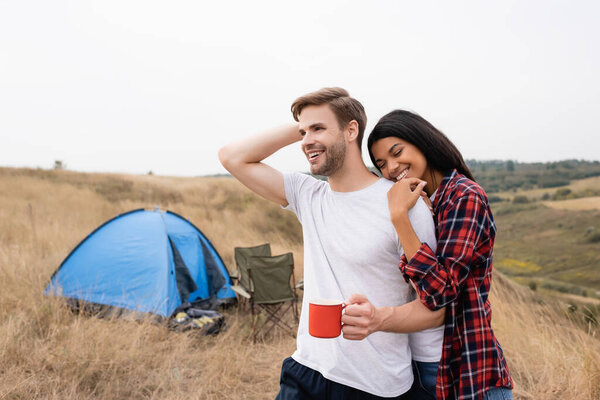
(138, 86)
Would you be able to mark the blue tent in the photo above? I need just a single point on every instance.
(146, 261)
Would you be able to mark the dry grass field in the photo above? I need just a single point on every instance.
(585, 203)
(47, 352)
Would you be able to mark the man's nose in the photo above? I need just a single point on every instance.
(308, 139)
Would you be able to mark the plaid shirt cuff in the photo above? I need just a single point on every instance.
(419, 265)
(417, 269)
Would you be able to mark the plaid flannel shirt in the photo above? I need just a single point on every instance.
(458, 277)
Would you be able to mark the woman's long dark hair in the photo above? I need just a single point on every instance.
(440, 153)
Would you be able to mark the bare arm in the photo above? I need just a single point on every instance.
(362, 318)
(243, 159)
(407, 318)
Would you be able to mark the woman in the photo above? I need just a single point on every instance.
(409, 150)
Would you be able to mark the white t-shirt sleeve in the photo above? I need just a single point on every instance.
(422, 222)
(299, 189)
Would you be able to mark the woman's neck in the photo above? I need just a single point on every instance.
(434, 179)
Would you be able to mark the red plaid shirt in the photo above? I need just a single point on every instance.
(458, 277)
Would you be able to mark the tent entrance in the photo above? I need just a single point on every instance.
(193, 283)
(185, 282)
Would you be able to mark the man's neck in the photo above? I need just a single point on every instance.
(352, 176)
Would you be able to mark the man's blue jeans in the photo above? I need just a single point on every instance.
(498, 393)
(425, 378)
(423, 387)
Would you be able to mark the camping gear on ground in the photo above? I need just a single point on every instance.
(270, 278)
(207, 322)
(146, 262)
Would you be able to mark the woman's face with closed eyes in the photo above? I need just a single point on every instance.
(397, 159)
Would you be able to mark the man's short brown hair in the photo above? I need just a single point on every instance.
(343, 106)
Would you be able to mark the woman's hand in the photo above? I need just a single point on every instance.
(360, 318)
(404, 195)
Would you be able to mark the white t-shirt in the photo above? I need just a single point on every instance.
(350, 246)
(427, 345)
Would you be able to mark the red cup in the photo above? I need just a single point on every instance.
(325, 318)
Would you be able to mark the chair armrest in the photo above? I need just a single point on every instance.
(235, 276)
(241, 291)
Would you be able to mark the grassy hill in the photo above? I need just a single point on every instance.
(496, 176)
(553, 244)
(584, 186)
(547, 241)
(46, 352)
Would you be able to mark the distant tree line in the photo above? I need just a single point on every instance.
(498, 176)
(503, 175)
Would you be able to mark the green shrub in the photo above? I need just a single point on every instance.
(550, 182)
(594, 237)
(561, 194)
(520, 199)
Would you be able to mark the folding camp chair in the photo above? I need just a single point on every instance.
(243, 286)
(270, 278)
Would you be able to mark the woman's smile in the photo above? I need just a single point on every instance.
(401, 175)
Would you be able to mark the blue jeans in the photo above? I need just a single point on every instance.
(423, 387)
(498, 393)
(298, 382)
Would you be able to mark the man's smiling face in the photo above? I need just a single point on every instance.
(323, 141)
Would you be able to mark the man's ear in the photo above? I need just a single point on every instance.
(352, 131)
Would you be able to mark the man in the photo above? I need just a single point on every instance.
(350, 247)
